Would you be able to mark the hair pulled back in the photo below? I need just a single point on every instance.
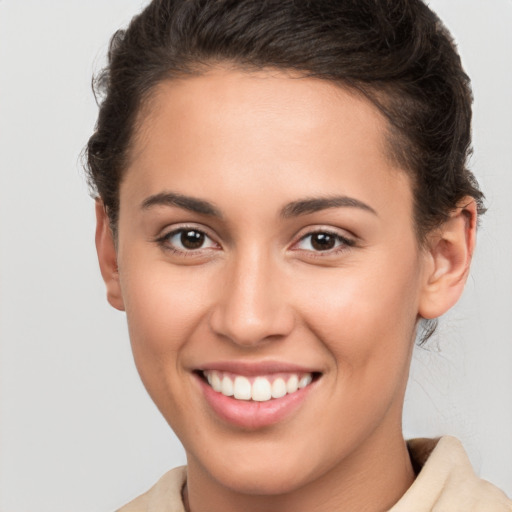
(395, 52)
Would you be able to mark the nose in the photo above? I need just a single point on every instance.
(252, 307)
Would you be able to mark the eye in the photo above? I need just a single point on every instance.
(323, 241)
(187, 240)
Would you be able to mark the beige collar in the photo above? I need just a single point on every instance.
(446, 482)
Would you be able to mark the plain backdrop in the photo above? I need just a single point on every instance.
(78, 432)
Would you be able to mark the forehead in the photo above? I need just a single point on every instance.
(269, 96)
(246, 129)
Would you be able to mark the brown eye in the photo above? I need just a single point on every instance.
(323, 241)
(185, 240)
(192, 239)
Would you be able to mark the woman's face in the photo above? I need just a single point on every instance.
(266, 238)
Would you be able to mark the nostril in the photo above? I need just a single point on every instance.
(247, 327)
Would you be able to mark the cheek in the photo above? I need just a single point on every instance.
(163, 306)
(366, 314)
(366, 322)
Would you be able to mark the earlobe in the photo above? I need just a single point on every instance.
(107, 257)
(449, 253)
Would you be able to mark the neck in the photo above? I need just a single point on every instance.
(372, 479)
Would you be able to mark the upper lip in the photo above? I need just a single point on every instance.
(253, 368)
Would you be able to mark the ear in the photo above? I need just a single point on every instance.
(449, 252)
(107, 257)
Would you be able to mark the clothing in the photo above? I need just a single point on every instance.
(445, 483)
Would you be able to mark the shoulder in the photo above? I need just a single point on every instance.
(164, 496)
(446, 481)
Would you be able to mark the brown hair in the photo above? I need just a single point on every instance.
(396, 52)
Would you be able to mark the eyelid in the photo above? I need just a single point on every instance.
(348, 240)
(162, 239)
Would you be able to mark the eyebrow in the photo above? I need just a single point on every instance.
(185, 202)
(312, 205)
(293, 209)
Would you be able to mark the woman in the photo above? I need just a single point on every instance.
(283, 200)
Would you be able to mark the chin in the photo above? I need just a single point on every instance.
(262, 473)
(268, 481)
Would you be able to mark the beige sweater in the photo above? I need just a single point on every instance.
(446, 483)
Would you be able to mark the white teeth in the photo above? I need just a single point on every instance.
(259, 389)
(293, 384)
(278, 388)
(304, 381)
(242, 388)
(216, 384)
(227, 386)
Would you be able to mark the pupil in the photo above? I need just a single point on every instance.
(192, 239)
(323, 241)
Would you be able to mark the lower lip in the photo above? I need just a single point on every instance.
(250, 414)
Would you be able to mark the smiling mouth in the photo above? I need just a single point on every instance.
(259, 388)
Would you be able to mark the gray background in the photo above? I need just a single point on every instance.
(77, 429)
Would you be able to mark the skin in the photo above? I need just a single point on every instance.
(257, 290)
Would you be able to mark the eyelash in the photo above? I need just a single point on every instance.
(344, 243)
(164, 241)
